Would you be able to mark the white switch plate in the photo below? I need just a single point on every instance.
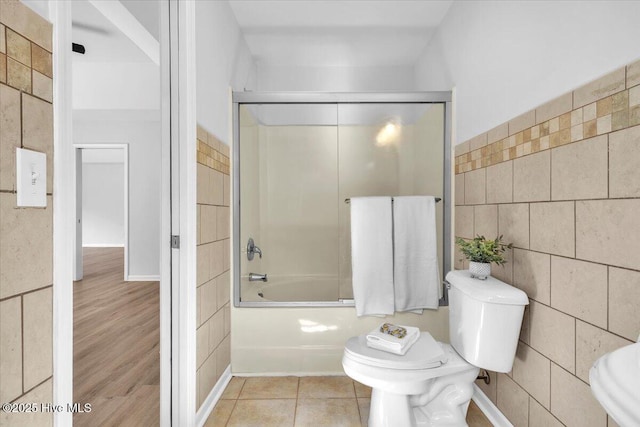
(31, 177)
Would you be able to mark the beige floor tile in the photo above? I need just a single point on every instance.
(233, 388)
(220, 414)
(326, 387)
(270, 388)
(263, 413)
(327, 412)
(475, 417)
(362, 390)
(364, 404)
(304, 412)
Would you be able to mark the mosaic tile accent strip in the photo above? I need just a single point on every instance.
(609, 113)
(212, 152)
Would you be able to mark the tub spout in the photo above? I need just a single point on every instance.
(256, 277)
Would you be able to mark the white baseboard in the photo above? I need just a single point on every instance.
(491, 411)
(210, 402)
(102, 245)
(142, 278)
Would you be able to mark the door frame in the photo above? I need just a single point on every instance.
(78, 238)
(183, 210)
(64, 213)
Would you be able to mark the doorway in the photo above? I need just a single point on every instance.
(102, 201)
(107, 99)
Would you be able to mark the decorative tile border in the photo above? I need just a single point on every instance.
(212, 152)
(610, 109)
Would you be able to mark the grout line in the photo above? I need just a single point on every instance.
(22, 339)
(575, 347)
(353, 384)
(608, 280)
(25, 293)
(582, 320)
(32, 388)
(528, 407)
(575, 229)
(608, 167)
(295, 408)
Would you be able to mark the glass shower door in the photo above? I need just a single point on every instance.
(289, 188)
(387, 150)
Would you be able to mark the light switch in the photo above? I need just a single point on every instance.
(31, 177)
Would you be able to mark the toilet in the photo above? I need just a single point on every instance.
(432, 384)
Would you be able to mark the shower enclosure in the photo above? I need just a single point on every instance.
(299, 157)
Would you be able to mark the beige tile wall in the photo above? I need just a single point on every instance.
(26, 235)
(213, 274)
(562, 183)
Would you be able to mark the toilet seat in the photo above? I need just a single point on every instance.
(426, 353)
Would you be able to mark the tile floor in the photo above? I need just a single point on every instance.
(301, 401)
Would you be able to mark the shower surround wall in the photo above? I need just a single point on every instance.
(295, 179)
(213, 317)
(26, 234)
(562, 182)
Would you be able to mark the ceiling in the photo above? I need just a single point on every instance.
(103, 39)
(147, 12)
(290, 33)
(336, 32)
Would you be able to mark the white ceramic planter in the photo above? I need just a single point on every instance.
(479, 270)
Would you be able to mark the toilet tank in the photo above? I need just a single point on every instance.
(485, 317)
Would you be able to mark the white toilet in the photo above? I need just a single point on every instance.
(432, 384)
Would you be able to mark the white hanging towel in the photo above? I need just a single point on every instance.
(372, 255)
(415, 267)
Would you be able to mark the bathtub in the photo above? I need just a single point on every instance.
(301, 340)
(291, 289)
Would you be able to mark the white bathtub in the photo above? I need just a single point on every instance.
(291, 289)
(305, 340)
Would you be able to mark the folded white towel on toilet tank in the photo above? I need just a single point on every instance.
(372, 255)
(415, 265)
(389, 343)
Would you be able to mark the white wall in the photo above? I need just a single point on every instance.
(506, 58)
(141, 130)
(116, 85)
(102, 204)
(334, 79)
(222, 60)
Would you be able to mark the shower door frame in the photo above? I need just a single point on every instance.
(242, 98)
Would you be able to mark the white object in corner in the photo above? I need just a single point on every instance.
(31, 178)
(614, 382)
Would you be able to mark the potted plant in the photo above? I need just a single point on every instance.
(481, 253)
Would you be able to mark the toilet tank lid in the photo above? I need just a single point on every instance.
(490, 290)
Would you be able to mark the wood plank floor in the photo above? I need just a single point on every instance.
(116, 344)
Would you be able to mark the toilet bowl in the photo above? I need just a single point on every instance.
(432, 384)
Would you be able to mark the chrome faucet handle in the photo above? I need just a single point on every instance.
(252, 249)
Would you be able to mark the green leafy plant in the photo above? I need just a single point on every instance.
(482, 250)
